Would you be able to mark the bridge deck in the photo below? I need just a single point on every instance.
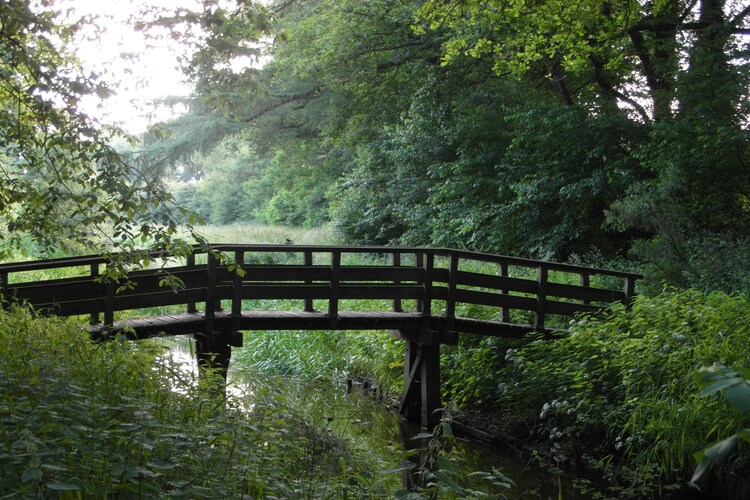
(197, 323)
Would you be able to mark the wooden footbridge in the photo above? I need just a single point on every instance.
(426, 297)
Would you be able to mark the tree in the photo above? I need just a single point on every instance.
(63, 183)
(678, 67)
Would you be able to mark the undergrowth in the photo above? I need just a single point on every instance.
(82, 419)
(614, 393)
(617, 393)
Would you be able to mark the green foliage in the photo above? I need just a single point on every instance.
(678, 175)
(735, 385)
(120, 418)
(63, 184)
(336, 355)
(619, 388)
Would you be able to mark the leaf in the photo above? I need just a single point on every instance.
(31, 475)
(738, 396)
(445, 464)
(445, 479)
(63, 486)
(446, 426)
(700, 469)
(719, 385)
(719, 451)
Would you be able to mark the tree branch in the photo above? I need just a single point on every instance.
(741, 16)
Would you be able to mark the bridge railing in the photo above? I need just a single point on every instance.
(457, 286)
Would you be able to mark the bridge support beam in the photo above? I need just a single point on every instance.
(421, 400)
(214, 351)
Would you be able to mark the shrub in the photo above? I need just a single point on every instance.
(121, 418)
(621, 386)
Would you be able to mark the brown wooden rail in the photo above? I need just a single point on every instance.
(425, 296)
(328, 288)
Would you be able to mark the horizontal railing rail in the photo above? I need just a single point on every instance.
(452, 285)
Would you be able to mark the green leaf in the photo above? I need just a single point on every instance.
(700, 469)
(31, 475)
(719, 451)
(63, 486)
(446, 464)
(719, 386)
(445, 479)
(738, 396)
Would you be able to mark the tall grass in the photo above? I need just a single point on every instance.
(81, 419)
(257, 233)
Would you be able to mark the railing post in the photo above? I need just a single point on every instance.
(585, 282)
(333, 299)
(396, 259)
(5, 289)
(450, 303)
(308, 257)
(109, 302)
(211, 266)
(191, 265)
(504, 310)
(239, 258)
(429, 265)
(541, 297)
(629, 290)
(419, 262)
(94, 272)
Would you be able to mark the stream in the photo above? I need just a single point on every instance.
(370, 429)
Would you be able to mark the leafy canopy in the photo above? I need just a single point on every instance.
(64, 185)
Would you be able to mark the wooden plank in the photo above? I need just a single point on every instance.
(629, 291)
(308, 262)
(410, 400)
(157, 299)
(586, 283)
(333, 298)
(59, 290)
(239, 257)
(584, 294)
(419, 262)
(191, 307)
(569, 308)
(152, 282)
(541, 297)
(429, 268)
(491, 281)
(94, 317)
(211, 298)
(503, 270)
(109, 302)
(492, 328)
(450, 303)
(439, 274)
(396, 263)
(495, 299)
(430, 385)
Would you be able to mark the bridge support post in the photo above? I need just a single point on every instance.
(421, 400)
(214, 351)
